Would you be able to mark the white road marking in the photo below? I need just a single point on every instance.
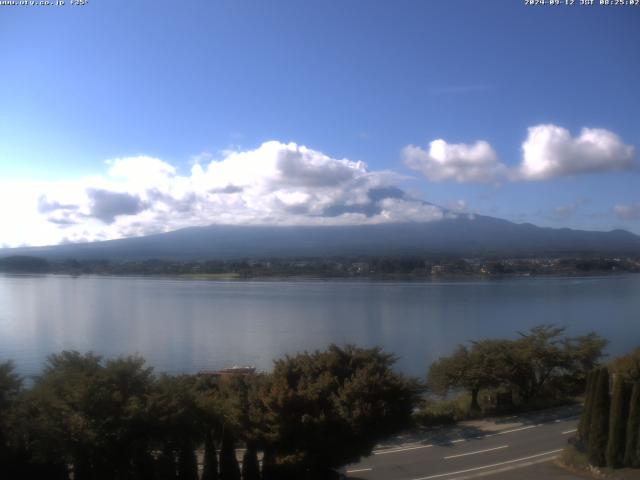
(509, 431)
(488, 435)
(405, 449)
(506, 468)
(440, 475)
(410, 447)
(503, 432)
(570, 431)
(476, 452)
(360, 470)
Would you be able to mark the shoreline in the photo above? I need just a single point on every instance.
(393, 278)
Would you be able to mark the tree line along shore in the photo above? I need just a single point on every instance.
(334, 267)
(85, 417)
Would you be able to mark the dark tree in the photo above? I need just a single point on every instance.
(229, 468)
(485, 364)
(618, 423)
(250, 465)
(599, 430)
(143, 463)
(210, 468)
(632, 443)
(538, 356)
(628, 366)
(166, 468)
(10, 386)
(327, 409)
(585, 419)
(187, 462)
(541, 361)
(176, 418)
(269, 470)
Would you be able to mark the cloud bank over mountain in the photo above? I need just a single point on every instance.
(289, 184)
(276, 184)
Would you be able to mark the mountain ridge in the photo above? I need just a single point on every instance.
(464, 235)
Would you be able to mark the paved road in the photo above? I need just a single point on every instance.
(527, 445)
(547, 470)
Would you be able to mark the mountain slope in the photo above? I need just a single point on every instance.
(478, 236)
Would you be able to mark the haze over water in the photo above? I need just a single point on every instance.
(189, 325)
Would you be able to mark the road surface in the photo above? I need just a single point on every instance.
(527, 444)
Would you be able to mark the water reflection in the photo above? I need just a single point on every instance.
(184, 325)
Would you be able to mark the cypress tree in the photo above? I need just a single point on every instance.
(143, 465)
(599, 425)
(585, 418)
(229, 468)
(166, 465)
(82, 468)
(268, 466)
(637, 456)
(210, 470)
(250, 465)
(631, 458)
(187, 463)
(618, 423)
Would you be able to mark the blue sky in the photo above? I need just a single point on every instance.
(234, 89)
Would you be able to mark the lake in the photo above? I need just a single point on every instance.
(188, 325)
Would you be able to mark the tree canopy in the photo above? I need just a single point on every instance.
(116, 419)
(539, 360)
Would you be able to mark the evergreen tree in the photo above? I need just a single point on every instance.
(229, 468)
(166, 465)
(268, 465)
(143, 465)
(617, 423)
(250, 465)
(585, 418)
(631, 458)
(637, 456)
(187, 462)
(210, 470)
(599, 427)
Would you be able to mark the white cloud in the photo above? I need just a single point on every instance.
(550, 151)
(461, 162)
(627, 212)
(276, 183)
(398, 210)
(459, 206)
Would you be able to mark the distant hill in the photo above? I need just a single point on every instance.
(462, 236)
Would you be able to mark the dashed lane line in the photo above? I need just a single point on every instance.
(417, 447)
(476, 452)
(569, 431)
(360, 470)
(493, 465)
(405, 449)
(410, 447)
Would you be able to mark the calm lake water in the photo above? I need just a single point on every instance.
(189, 325)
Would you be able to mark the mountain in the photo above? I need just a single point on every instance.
(463, 236)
